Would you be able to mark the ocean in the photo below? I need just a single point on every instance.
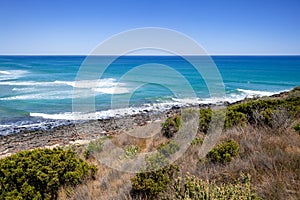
(37, 92)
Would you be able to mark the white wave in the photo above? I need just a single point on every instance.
(231, 98)
(107, 113)
(252, 93)
(30, 96)
(5, 72)
(27, 83)
(11, 74)
(187, 100)
(112, 90)
(205, 101)
(4, 126)
(24, 89)
(106, 86)
(64, 116)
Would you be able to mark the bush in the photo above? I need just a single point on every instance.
(297, 128)
(95, 146)
(205, 118)
(168, 149)
(194, 188)
(171, 126)
(223, 152)
(258, 112)
(130, 152)
(156, 161)
(152, 183)
(197, 141)
(234, 118)
(38, 174)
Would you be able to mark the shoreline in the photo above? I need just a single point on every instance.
(83, 133)
(80, 133)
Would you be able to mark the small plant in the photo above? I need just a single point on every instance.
(224, 152)
(168, 149)
(130, 152)
(197, 141)
(297, 128)
(171, 126)
(191, 188)
(155, 161)
(205, 118)
(95, 146)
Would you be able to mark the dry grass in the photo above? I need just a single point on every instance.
(271, 156)
(272, 160)
(110, 183)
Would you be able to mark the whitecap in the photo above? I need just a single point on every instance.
(106, 86)
(11, 74)
(253, 93)
(112, 90)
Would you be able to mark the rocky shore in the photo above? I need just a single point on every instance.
(79, 133)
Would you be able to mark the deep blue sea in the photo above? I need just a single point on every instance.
(38, 91)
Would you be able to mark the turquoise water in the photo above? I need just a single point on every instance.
(38, 91)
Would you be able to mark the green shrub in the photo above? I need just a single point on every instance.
(152, 183)
(223, 152)
(38, 174)
(258, 112)
(171, 126)
(168, 149)
(265, 109)
(156, 161)
(205, 118)
(95, 146)
(197, 141)
(234, 118)
(297, 128)
(191, 188)
(130, 152)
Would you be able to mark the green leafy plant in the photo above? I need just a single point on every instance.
(95, 146)
(224, 152)
(130, 152)
(191, 188)
(158, 173)
(205, 118)
(151, 183)
(258, 111)
(197, 141)
(171, 126)
(168, 149)
(38, 174)
(297, 128)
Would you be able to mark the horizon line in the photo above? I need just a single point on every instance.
(151, 55)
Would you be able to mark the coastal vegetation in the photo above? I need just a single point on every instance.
(171, 126)
(224, 152)
(38, 174)
(256, 157)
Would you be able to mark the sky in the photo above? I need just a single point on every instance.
(71, 27)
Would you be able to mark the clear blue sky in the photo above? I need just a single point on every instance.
(220, 26)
